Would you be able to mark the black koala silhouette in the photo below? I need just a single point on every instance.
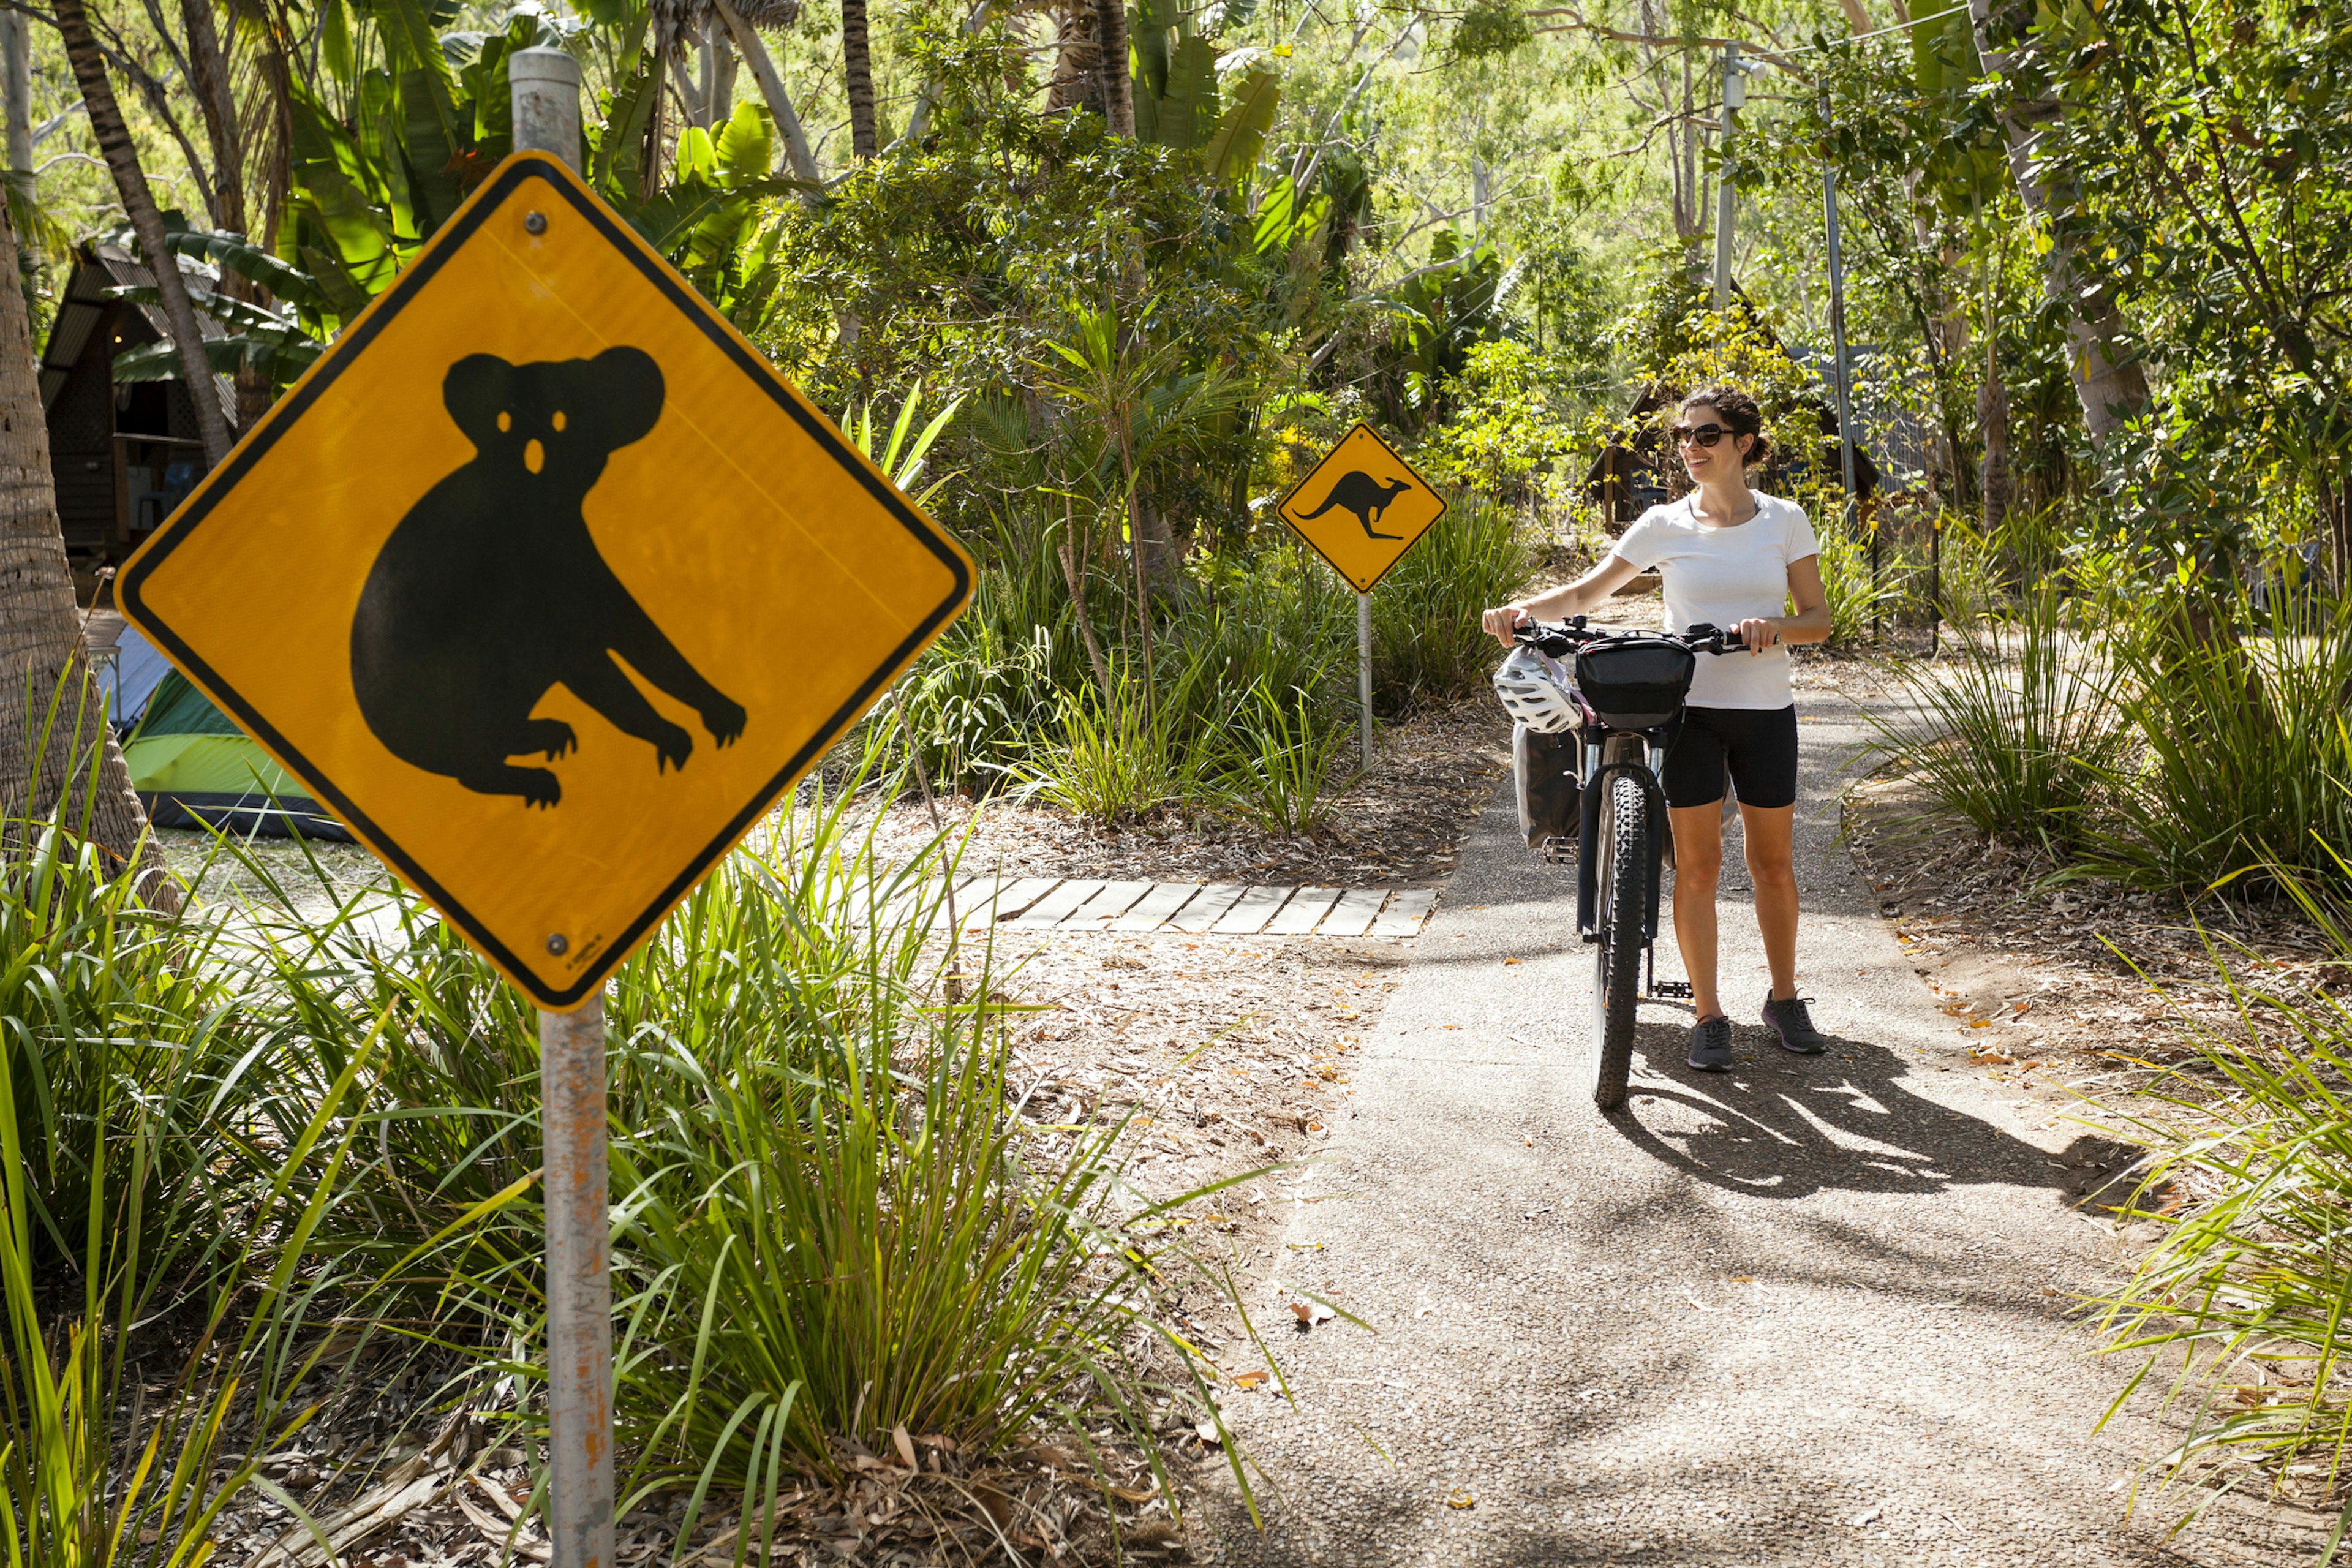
(1366, 497)
(491, 590)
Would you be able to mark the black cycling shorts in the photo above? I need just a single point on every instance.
(1760, 744)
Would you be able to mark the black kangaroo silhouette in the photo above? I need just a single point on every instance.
(491, 591)
(1366, 497)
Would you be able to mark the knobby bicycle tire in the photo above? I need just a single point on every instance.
(1617, 971)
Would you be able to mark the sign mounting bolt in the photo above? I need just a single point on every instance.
(535, 223)
(558, 944)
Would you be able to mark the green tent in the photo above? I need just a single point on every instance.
(193, 768)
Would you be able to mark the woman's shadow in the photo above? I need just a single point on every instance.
(1785, 1126)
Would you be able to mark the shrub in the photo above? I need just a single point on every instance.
(1279, 773)
(1858, 597)
(2250, 1158)
(2015, 750)
(1427, 644)
(2242, 756)
(825, 1223)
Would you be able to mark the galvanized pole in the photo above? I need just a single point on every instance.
(1364, 668)
(1735, 93)
(1837, 339)
(577, 1185)
(1844, 371)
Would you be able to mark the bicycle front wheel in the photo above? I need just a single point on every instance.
(1617, 968)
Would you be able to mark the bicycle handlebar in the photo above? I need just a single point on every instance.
(1563, 637)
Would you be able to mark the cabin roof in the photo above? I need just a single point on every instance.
(98, 268)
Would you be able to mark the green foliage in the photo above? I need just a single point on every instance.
(2243, 769)
(1859, 597)
(1488, 28)
(1505, 434)
(2243, 1295)
(826, 1224)
(2017, 750)
(125, 1127)
(1279, 775)
(1116, 760)
(1427, 644)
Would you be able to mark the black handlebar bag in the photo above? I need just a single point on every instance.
(1635, 683)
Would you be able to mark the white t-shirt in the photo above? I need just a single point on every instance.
(1721, 576)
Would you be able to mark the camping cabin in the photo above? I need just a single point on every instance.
(124, 454)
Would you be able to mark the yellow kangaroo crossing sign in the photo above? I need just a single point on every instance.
(544, 582)
(1362, 508)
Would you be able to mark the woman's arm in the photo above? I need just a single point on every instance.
(1578, 598)
(1809, 623)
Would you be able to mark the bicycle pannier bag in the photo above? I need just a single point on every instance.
(1544, 766)
(1634, 683)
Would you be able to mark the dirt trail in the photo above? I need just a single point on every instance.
(1811, 1311)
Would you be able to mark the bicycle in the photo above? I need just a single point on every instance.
(1622, 709)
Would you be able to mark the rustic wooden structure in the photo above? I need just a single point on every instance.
(123, 453)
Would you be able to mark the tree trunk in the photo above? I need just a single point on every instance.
(138, 206)
(1110, 40)
(2111, 393)
(208, 74)
(16, 82)
(45, 762)
(1077, 64)
(772, 91)
(857, 75)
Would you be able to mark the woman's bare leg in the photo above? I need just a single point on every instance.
(1772, 864)
(1698, 866)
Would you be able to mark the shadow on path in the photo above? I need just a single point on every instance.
(1784, 1126)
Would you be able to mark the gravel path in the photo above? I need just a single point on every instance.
(1809, 1312)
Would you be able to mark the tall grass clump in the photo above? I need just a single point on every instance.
(1114, 761)
(829, 1223)
(1858, 597)
(1427, 644)
(142, 1219)
(2015, 746)
(1282, 771)
(2242, 762)
(2239, 1311)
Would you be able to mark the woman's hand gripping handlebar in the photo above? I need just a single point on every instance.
(1566, 637)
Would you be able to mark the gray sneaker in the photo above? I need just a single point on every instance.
(1795, 1025)
(1710, 1049)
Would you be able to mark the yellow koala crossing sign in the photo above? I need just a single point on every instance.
(544, 582)
(1362, 508)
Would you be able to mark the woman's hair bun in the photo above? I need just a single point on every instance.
(1740, 413)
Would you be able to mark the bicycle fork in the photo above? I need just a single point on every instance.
(1599, 770)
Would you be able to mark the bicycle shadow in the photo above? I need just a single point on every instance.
(1784, 1126)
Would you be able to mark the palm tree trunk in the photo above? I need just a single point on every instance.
(46, 758)
(1111, 39)
(857, 73)
(139, 204)
(17, 67)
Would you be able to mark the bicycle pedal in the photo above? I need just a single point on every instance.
(1671, 988)
(1559, 851)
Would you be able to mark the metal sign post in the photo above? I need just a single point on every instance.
(1364, 668)
(485, 472)
(575, 1178)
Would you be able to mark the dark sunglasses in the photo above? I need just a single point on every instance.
(1704, 435)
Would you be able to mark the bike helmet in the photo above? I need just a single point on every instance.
(1536, 692)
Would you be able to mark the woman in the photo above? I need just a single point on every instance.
(1728, 556)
